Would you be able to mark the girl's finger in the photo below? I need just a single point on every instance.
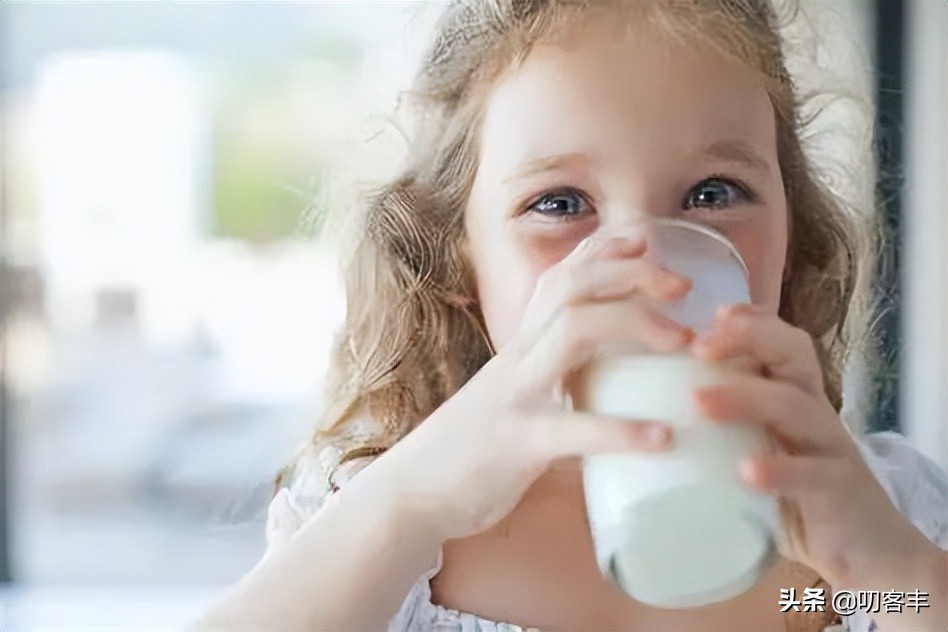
(600, 270)
(618, 278)
(795, 417)
(782, 350)
(603, 246)
(577, 332)
(559, 433)
(803, 478)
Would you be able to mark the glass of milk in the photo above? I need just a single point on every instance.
(677, 529)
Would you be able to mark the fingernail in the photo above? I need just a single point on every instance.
(747, 470)
(702, 340)
(677, 285)
(699, 396)
(749, 474)
(669, 323)
(737, 308)
(628, 241)
(657, 434)
(634, 238)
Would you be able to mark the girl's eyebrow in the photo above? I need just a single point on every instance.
(545, 163)
(737, 152)
(734, 151)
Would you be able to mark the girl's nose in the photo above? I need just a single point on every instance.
(627, 223)
(634, 207)
(629, 230)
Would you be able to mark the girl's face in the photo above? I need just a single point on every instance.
(594, 137)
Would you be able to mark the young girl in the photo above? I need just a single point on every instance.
(445, 491)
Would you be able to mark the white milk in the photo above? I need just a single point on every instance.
(677, 529)
(674, 529)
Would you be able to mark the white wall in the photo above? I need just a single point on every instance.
(924, 379)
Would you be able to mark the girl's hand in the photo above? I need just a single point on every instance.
(837, 518)
(468, 465)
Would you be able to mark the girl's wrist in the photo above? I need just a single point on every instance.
(398, 520)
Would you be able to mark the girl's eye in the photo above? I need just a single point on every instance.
(716, 192)
(565, 204)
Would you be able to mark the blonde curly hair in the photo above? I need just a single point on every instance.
(414, 333)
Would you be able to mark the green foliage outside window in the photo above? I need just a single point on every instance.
(259, 194)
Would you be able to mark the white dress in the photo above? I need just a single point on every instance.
(917, 486)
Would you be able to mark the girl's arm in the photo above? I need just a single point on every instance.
(347, 568)
(871, 516)
(927, 573)
(913, 569)
(470, 462)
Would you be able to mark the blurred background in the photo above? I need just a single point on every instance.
(168, 286)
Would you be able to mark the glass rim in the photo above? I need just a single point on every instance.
(708, 231)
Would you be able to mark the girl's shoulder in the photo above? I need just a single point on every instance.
(307, 489)
(917, 485)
